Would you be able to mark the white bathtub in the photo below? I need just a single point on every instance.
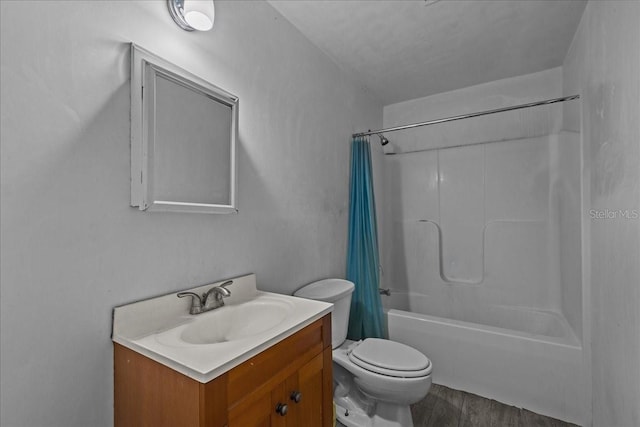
(536, 363)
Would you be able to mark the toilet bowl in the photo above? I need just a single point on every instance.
(375, 380)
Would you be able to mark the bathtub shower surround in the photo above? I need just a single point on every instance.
(481, 245)
(482, 221)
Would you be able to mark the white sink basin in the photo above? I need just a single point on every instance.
(232, 323)
(204, 346)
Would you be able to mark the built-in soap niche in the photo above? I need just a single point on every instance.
(183, 139)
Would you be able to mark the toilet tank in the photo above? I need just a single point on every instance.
(338, 292)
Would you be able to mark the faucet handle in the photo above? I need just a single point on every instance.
(196, 301)
(220, 292)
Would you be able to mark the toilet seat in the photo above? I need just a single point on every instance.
(389, 358)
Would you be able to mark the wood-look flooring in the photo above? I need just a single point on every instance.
(445, 407)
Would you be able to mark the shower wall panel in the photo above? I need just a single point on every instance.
(462, 215)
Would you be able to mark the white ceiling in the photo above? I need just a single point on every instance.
(406, 49)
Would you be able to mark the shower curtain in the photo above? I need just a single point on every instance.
(366, 317)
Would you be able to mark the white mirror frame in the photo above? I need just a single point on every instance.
(144, 67)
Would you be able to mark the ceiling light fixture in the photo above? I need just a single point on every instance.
(192, 15)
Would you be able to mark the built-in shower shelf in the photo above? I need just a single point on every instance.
(441, 237)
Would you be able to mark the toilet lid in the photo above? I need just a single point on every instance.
(390, 358)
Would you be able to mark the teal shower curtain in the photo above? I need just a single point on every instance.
(366, 317)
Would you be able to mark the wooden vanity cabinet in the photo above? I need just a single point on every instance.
(287, 385)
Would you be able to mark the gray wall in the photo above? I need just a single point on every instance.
(603, 65)
(72, 248)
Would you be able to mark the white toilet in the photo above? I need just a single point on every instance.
(375, 380)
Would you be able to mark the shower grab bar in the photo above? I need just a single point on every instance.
(467, 116)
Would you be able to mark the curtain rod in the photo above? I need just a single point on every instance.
(466, 116)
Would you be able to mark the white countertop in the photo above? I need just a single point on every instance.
(153, 328)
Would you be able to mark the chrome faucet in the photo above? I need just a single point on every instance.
(213, 298)
(210, 300)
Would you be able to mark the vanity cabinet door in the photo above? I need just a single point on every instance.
(283, 413)
(316, 386)
(309, 408)
(303, 394)
(255, 412)
(295, 402)
(290, 384)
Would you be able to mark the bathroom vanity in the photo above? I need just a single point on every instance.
(216, 369)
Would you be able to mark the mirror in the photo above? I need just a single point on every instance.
(183, 138)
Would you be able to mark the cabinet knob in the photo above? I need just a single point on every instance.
(281, 409)
(296, 396)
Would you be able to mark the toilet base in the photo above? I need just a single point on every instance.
(382, 415)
